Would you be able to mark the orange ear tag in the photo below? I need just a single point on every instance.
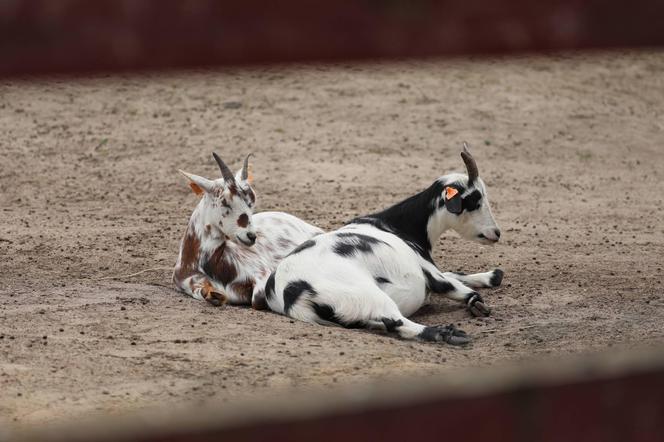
(450, 192)
(196, 188)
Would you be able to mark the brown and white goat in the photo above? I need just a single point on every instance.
(227, 252)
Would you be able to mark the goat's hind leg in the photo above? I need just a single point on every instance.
(378, 310)
(408, 329)
(483, 280)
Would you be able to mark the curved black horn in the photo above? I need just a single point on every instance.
(471, 165)
(245, 168)
(225, 171)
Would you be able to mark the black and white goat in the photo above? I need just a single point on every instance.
(227, 252)
(378, 270)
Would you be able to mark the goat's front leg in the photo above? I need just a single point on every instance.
(258, 299)
(199, 286)
(454, 289)
(485, 280)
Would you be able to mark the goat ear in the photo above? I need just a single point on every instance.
(198, 184)
(250, 175)
(452, 199)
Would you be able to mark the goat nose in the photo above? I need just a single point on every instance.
(251, 236)
(497, 232)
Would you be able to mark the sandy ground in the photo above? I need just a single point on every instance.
(571, 147)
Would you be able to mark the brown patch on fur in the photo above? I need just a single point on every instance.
(196, 188)
(208, 228)
(206, 288)
(212, 295)
(244, 289)
(251, 195)
(189, 261)
(232, 189)
(243, 220)
(219, 267)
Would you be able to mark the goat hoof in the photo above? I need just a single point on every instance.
(216, 299)
(445, 333)
(476, 305)
(458, 340)
(454, 336)
(479, 309)
(497, 278)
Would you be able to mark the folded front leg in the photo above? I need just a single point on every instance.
(452, 288)
(478, 280)
(258, 300)
(199, 286)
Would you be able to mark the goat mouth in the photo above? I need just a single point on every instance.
(486, 240)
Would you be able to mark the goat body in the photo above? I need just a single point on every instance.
(213, 268)
(377, 270)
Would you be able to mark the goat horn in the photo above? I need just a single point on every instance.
(471, 165)
(225, 171)
(245, 168)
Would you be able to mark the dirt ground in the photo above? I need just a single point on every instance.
(571, 148)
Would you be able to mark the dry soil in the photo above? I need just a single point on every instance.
(571, 148)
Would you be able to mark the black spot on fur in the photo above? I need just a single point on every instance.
(351, 243)
(391, 324)
(344, 249)
(326, 313)
(472, 201)
(293, 291)
(381, 280)
(269, 286)
(436, 285)
(497, 278)
(305, 245)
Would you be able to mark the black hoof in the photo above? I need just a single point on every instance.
(497, 278)
(480, 310)
(445, 333)
(477, 307)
